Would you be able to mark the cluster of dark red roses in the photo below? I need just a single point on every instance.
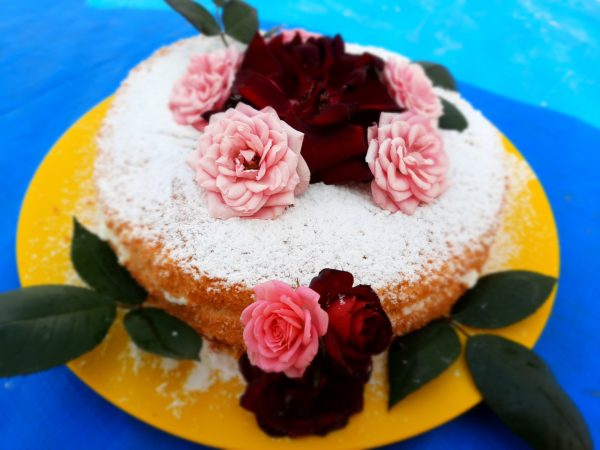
(318, 88)
(332, 387)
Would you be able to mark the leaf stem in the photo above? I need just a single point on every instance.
(223, 39)
(219, 17)
(131, 307)
(272, 32)
(460, 328)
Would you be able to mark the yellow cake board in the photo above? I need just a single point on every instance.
(154, 393)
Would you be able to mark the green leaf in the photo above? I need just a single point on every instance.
(97, 265)
(240, 20)
(46, 326)
(503, 298)
(417, 358)
(197, 15)
(438, 74)
(522, 391)
(452, 119)
(221, 3)
(155, 331)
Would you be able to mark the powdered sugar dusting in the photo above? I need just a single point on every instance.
(506, 245)
(214, 366)
(143, 180)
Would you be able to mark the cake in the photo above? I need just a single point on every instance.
(203, 269)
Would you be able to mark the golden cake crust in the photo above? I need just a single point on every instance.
(214, 306)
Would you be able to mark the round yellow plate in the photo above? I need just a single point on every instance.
(153, 389)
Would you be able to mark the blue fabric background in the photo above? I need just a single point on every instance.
(58, 58)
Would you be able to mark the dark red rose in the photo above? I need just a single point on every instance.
(322, 400)
(358, 325)
(319, 89)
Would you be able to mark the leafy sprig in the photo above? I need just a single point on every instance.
(512, 379)
(234, 18)
(46, 326)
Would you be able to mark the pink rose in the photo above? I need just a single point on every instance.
(412, 89)
(249, 163)
(407, 158)
(282, 328)
(204, 87)
(289, 35)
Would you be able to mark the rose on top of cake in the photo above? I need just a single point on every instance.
(249, 163)
(342, 118)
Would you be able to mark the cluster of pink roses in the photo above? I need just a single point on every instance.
(309, 352)
(406, 153)
(252, 163)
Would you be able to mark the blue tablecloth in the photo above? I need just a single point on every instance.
(58, 58)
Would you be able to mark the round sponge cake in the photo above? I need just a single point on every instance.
(203, 269)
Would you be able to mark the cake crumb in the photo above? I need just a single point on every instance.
(214, 366)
